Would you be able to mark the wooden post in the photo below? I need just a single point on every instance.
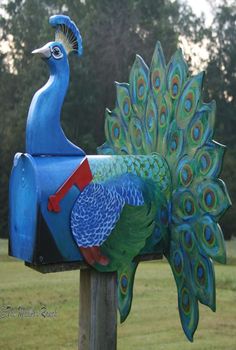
(98, 302)
(97, 310)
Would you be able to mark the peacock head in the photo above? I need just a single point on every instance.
(54, 54)
(67, 39)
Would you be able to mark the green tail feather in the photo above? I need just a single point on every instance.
(161, 110)
(188, 310)
(125, 289)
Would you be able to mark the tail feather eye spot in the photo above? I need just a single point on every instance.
(124, 283)
(196, 132)
(138, 137)
(186, 175)
(173, 145)
(189, 206)
(174, 142)
(205, 163)
(126, 106)
(163, 116)
(178, 263)
(116, 131)
(156, 81)
(141, 91)
(150, 120)
(188, 104)
(175, 86)
(188, 241)
(209, 198)
(186, 304)
(200, 274)
(141, 88)
(208, 235)
(175, 89)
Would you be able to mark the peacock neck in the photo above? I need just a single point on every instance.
(55, 90)
(44, 134)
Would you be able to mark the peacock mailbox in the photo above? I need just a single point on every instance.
(153, 188)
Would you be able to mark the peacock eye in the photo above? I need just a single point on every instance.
(56, 52)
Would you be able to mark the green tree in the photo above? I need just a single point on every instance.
(221, 86)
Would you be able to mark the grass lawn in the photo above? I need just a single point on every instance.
(153, 323)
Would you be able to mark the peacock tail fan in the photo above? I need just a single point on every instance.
(161, 110)
(67, 34)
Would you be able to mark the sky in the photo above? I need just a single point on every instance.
(198, 52)
(201, 6)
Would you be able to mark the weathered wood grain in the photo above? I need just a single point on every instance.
(97, 311)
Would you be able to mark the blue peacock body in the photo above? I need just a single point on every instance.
(156, 182)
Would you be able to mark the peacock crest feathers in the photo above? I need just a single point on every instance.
(161, 110)
(67, 34)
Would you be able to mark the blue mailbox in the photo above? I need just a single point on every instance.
(153, 188)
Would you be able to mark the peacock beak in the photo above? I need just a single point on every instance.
(44, 51)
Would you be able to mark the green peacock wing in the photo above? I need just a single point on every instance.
(136, 224)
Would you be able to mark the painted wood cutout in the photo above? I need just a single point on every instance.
(154, 186)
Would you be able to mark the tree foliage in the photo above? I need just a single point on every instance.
(221, 86)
